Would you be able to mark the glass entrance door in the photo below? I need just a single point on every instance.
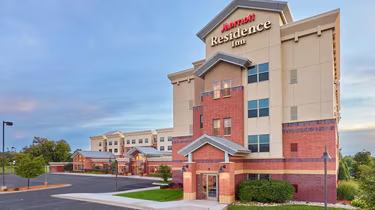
(211, 186)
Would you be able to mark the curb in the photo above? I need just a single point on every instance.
(68, 185)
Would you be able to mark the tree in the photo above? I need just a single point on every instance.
(367, 185)
(164, 172)
(343, 169)
(361, 158)
(52, 151)
(29, 167)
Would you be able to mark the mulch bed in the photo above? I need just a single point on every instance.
(33, 188)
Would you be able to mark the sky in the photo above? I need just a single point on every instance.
(74, 69)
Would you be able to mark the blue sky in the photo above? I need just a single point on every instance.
(74, 69)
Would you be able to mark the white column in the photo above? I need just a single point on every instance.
(226, 157)
(190, 157)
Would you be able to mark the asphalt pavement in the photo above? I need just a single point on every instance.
(41, 199)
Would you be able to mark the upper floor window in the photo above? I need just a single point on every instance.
(227, 126)
(217, 127)
(293, 76)
(161, 139)
(169, 147)
(100, 150)
(169, 138)
(110, 150)
(116, 150)
(258, 108)
(146, 140)
(259, 143)
(216, 89)
(100, 144)
(201, 121)
(202, 91)
(110, 143)
(140, 141)
(227, 84)
(133, 141)
(116, 143)
(127, 141)
(155, 140)
(293, 113)
(161, 148)
(191, 128)
(258, 73)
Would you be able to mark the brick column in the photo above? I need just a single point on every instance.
(190, 181)
(227, 183)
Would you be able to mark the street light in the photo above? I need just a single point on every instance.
(110, 162)
(325, 157)
(3, 155)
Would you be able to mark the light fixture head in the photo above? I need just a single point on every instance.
(8, 123)
(221, 169)
(183, 169)
(326, 155)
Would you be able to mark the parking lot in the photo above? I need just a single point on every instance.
(42, 199)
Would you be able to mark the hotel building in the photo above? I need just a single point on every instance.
(262, 104)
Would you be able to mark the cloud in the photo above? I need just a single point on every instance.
(353, 141)
(17, 104)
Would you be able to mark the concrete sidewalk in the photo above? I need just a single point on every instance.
(109, 199)
(110, 175)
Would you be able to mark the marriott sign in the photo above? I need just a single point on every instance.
(234, 35)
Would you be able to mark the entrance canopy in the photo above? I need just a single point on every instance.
(147, 152)
(221, 143)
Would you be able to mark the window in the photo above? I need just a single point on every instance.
(293, 113)
(100, 144)
(295, 188)
(140, 141)
(110, 143)
(127, 141)
(202, 91)
(100, 150)
(116, 150)
(161, 148)
(294, 150)
(146, 140)
(133, 141)
(216, 88)
(161, 139)
(169, 148)
(227, 85)
(169, 138)
(190, 104)
(110, 150)
(227, 126)
(216, 127)
(191, 129)
(259, 176)
(259, 143)
(293, 76)
(201, 121)
(155, 140)
(116, 143)
(258, 73)
(262, 104)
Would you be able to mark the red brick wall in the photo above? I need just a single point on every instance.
(177, 159)
(197, 131)
(231, 107)
(56, 169)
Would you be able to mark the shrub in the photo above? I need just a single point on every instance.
(16, 189)
(97, 168)
(347, 190)
(358, 202)
(162, 187)
(6, 189)
(265, 191)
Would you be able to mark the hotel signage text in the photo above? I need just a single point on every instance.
(233, 35)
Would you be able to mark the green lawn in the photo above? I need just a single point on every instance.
(154, 195)
(10, 169)
(291, 207)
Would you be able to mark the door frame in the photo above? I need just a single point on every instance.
(204, 195)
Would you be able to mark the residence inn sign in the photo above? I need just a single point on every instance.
(240, 32)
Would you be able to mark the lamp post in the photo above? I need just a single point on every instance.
(325, 157)
(3, 155)
(110, 162)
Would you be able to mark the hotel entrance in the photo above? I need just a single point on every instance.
(209, 186)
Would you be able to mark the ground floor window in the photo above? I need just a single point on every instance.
(258, 176)
(169, 148)
(161, 148)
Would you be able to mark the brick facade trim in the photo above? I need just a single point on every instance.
(307, 123)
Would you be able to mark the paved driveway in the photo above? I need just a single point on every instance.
(80, 184)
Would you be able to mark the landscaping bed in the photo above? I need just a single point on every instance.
(288, 205)
(155, 195)
(32, 188)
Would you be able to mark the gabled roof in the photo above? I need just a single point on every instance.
(221, 56)
(268, 5)
(94, 154)
(221, 143)
(147, 152)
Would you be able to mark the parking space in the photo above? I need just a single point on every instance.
(80, 184)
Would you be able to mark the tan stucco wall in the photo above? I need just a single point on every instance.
(95, 143)
(223, 71)
(139, 135)
(164, 133)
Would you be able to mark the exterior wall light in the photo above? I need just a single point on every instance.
(183, 168)
(221, 170)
